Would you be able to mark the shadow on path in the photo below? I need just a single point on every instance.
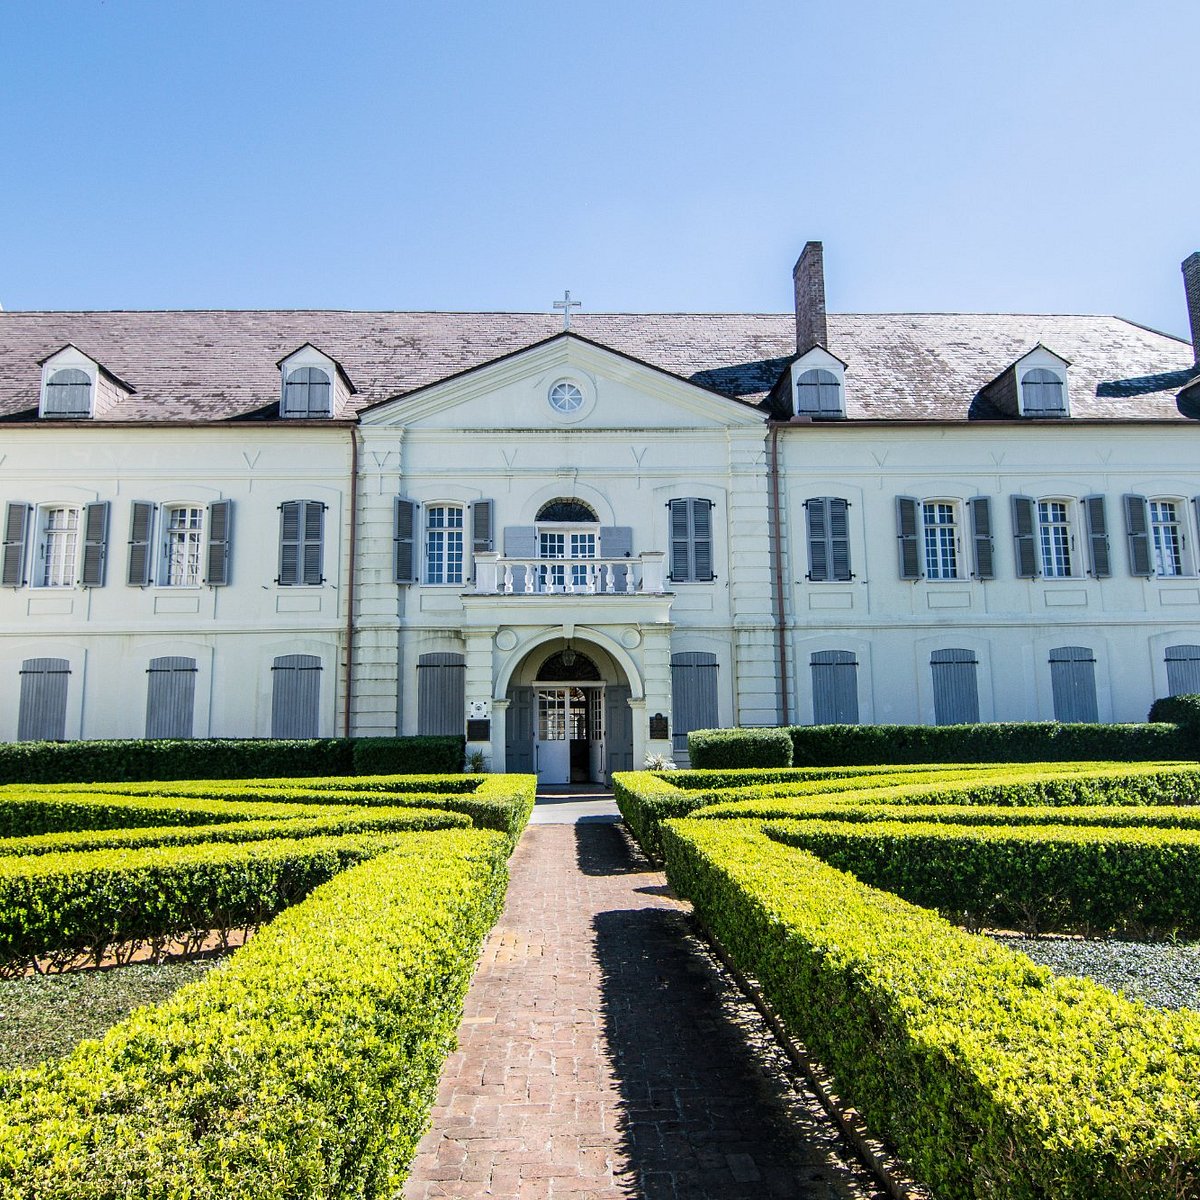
(707, 1107)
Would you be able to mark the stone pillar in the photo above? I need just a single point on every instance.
(478, 687)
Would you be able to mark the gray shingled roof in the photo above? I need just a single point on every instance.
(211, 366)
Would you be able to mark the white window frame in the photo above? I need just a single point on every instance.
(438, 567)
(935, 549)
(1050, 563)
(579, 544)
(68, 571)
(1157, 530)
(193, 543)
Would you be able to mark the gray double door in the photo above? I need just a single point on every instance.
(565, 733)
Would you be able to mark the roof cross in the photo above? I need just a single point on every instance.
(566, 304)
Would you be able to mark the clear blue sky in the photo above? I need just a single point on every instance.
(649, 155)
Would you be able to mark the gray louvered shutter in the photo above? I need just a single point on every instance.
(95, 544)
(220, 541)
(1073, 682)
(981, 537)
(141, 524)
(955, 690)
(313, 551)
(907, 534)
(681, 562)
(441, 693)
(839, 538)
(702, 545)
(1025, 542)
(1183, 670)
(521, 542)
(817, 515)
(1137, 532)
(42, 716)
(170, 697)
(693, 695)
(1096, 518)
(834, 687)
(295, 696)
(16, 535)
(518, 732)
(482, 538)
(404, 545)
(290, 515)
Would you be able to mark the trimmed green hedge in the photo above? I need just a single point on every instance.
(991, 1075)
(306, 1067)
(27, 812)
(1040, 879)
(723, 748)
(1182, 710)
(86, 902)
(340, 821)
(232, 758)
(1032, 741)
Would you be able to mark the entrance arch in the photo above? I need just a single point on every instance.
(568, 715)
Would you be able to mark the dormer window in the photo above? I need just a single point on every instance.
(818, 394)
(1043, 394)
(68, 394)
(306, 392)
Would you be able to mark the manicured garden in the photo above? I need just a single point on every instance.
(849, 894)
(303, 1064)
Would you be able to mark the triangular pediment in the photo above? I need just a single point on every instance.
(565, 382)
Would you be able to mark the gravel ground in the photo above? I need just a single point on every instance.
(47, 1016)
(1163, 974)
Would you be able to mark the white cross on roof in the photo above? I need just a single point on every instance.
(566, 304)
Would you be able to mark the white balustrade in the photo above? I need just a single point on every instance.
(569, 576)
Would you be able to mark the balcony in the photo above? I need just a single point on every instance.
(642, 575)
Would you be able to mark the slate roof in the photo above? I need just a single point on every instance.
(221, 365)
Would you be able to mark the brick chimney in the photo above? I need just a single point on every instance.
(1191, 287)
(808, 275)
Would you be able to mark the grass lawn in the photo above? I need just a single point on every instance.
(47, 1016)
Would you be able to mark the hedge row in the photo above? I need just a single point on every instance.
(29, 812)
(305, 1067)
(842, 745)
(339, 821)
(646, 799)
(209, 758)
(88, 902)
(991, 1075)
(391, 784)
(1038, 879)
(1182, 710)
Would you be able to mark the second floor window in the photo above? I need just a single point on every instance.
(444, 544)
(941, 539)
(182, 546)
(1054, 538)
(58, 547)
(1167, 538)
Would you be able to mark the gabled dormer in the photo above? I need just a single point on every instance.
(312, 385)
(1033, 387)
(818, 385)
(76, 387)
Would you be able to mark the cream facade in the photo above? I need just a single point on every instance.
(573, 547)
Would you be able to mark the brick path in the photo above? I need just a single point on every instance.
(603, 1054)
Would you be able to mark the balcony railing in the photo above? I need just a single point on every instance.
(643, 575)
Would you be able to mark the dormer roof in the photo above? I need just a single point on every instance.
(333, 362)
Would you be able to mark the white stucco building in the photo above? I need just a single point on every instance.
(575, 546)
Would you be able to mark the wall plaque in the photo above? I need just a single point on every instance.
(659, 731)
(479, 730)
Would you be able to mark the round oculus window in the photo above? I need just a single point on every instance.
(565, 397)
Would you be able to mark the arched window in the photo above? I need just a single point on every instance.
(819, 394)
(306, 393)
(1042, 394)
(573, 511)
(68, 394)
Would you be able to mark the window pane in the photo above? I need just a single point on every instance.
(182, 550)
(1168, 542)
(444, 545)
(941, 541)
(1055, 537)
(59, 547)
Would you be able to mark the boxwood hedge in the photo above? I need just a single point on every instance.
(305, 1067)
(1032, 741)
(208, 758)
(992, 1076)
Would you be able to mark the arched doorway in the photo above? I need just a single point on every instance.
(569, 723)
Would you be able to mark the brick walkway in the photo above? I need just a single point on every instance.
(603, 1054)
